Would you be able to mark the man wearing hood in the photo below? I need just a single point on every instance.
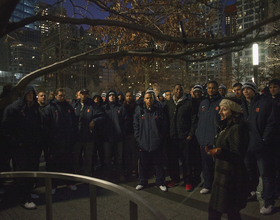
(21, 125)
(114, 129)
(182, 122)
(121, 97)
(208, 115)
(61, 128)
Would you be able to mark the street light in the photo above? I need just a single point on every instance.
(256, 62)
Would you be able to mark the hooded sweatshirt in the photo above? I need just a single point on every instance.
(21, 125)
(116, 120)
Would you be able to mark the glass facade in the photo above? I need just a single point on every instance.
(24, 9)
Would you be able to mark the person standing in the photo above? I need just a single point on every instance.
(114, 130)
(149, 129)
(61, 129)
(258, 112)
(21, 125)
(229, 189)
(208, 115)
(182, 124)
(274, 88)
(237, 90)
(130, 146)
(87, 116)
(222, 90)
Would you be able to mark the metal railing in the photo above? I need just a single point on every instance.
(134, 199)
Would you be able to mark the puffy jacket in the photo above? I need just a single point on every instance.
(261, 121)
(116, 120)
(91, 112)
(22, 124)
(182, 118)
(208, 115)
(149, 127)
(60, 125)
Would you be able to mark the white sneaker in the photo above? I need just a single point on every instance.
(139, 187)
(53, 190)
(163, 188)
(29, 205)
(205, 191)
(72, 187)
(34, 196)
(266, 210)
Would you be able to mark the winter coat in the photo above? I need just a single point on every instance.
(116, 120)
(60, 126)
(149, 127)
(230, 185)
(182, 119)
(208, 115)
(21, 125)
(91, 112)
(130, 108)
(261, 120)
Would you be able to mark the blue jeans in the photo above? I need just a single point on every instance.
(263, 162)
(207, 168)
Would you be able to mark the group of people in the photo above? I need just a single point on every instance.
(231, 140)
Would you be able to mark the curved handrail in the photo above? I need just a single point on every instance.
(92, 181)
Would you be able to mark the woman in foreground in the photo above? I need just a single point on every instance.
(229, 189)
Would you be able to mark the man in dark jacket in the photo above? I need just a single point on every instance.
(114, 129)
(182, 122)
(208, 115)
(59, 123)
(258, 112)
(130, 148)
(87, 116)
(149, 129)
(274, 88)
(21, 125)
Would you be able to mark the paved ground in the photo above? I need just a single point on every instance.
(176, 204)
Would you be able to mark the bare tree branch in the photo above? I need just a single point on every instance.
(99, 22)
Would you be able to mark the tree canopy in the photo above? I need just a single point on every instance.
(142, 29)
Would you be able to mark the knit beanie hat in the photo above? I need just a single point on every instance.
(103, 94)
(138, 94)
(198, 88)
(250, 85)
(222, 86)
(150, 90)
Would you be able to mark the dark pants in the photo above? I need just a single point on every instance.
(61, 163)
(26, 159)
(146, 160)
(130, 153)
(84, 151)
(216, 215)
(180, 149)
(110, 150)
(207, 168)
(263, 162)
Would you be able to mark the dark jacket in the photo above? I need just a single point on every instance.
(182, 119)
(22, 124)
(130, 108)
(149, 127)
(91, 112)
(230, 186)
(116, 120)
(261, 120)
(60, 126)
(208, 115)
